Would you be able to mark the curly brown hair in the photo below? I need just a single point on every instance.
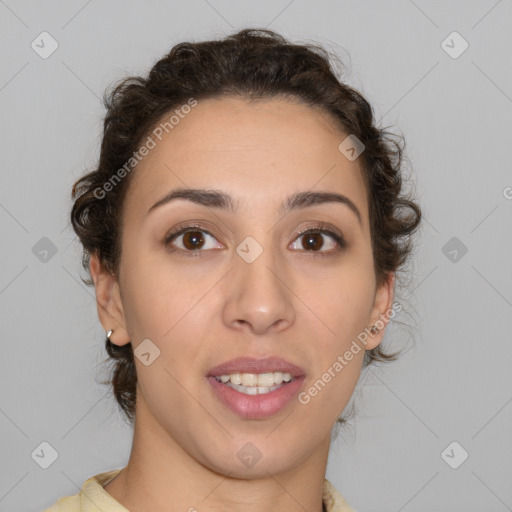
(252, 64)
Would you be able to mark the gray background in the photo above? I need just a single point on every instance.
(455, 384)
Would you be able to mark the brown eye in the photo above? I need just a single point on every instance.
(313, 240)
(193, 240)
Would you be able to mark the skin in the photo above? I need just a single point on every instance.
(202, 311)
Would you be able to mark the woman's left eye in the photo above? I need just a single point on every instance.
(191, 240)
(312, 241)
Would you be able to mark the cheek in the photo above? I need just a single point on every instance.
(156, 295)
(342, 300)
(344, 308)
(343, 303)
(167, 307)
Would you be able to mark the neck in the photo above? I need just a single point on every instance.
(162, 476)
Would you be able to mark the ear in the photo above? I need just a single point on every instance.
(108, 301)
(382, 311)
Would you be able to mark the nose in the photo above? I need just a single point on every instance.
(259, 296)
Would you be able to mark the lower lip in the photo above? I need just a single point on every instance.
(256, 406)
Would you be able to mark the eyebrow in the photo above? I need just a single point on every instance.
(219, 199)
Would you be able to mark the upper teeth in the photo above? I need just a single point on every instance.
(253, 379)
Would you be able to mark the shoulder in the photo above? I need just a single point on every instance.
(333, 500)
(91, 497)
(65, 504)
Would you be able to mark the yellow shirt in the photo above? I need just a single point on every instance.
(93, 497)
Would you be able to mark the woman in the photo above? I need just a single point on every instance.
(242, 231)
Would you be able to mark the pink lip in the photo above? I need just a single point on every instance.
(256, 406)
(253, 365)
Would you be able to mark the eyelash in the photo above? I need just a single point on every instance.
(318, 229)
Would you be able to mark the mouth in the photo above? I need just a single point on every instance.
(255, 384)
(256, 388)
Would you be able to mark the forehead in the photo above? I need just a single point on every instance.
(258, 152)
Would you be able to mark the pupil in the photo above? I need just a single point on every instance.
(311, 238)
(195, 237)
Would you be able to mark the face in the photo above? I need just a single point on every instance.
(243, 281)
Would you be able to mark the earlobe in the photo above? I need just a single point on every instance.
(108, 301)
(381, 312)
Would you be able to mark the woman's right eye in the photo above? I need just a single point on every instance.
(190, 240)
